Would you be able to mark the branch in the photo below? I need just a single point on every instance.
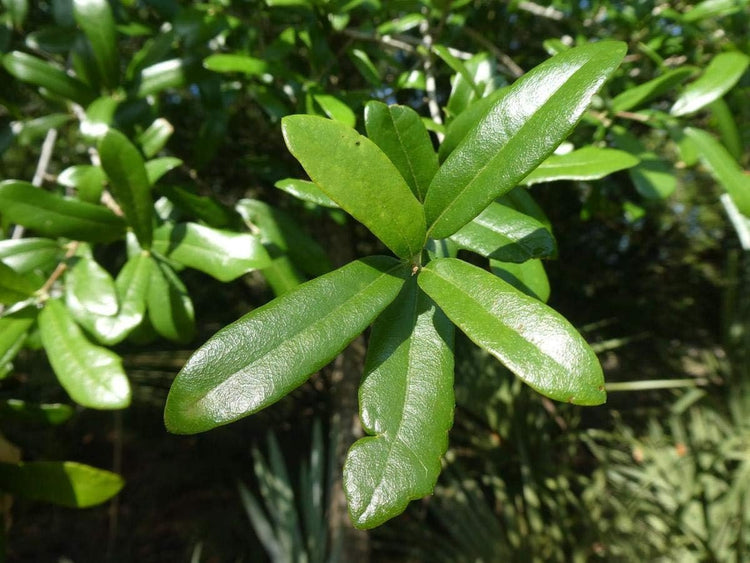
(548, 12)
(429, 75)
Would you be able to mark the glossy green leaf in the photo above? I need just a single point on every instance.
(54, 216)
(283, 232)
(15, 286)
(236, 63)
(205, 208)
(528, 277)
(720, 76)
(38, 72)
(91, 375)
(724, 121)
(723, 168)
(13, 330)
(653, 177)
(336, 109)
(467, 121)
(30, 254)
(400, 24)
(86, 179)
(89, 287)
(225, 255)
(96, 20)
(481, 67)
(406, 405)
(519, 131)
(588, 163)
(65, 483)
(282, 276)
(366, 67)
(166, 74)
(401, 135)
(100, 115)
(50, 414)
(713, 9)
(170, 308)
(131, 287)
(129, 183)
(155, 137)
(634, 97)
(502, 233)
(521, 200)
(306, 191)
(532, 340)
(357, 175)
(157, 167)
(458, 66)
(261, 357)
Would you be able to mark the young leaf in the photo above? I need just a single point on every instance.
(401, 135)
(634, 97)
(86, 179)
(95, 18)
(225, 255)
(653, 177)
(720, 76)
(588, 163)
(89, 287)
(406, 405)
(723, 168)
(357, 175)
(92, 376)
(258, 359)
(54, 216)
(528, 277)
(502, 233)
(170, 308)
(14, 286)
(306, 191)
(518, 132)
(129, 183)
(38, 72)
(66, 483)
(532, 340)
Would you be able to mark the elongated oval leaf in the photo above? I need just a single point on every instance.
(89, 287)
(51, 414)
(92, 376)
(588, 163)
(95, 18)
(306, 191)
(520, 130)
(15, 286)
(653, 177)
(55, 216)
(38, 72)
(86, 179)
(29, 254)
(170, 308)
(647, 91)
(236, 63)
(502, 233)
(720, 76)
(401, 135)
(528, 277)
(13, 330)
(406, 403)
(153, 139)
(166, 74)
(129, 183)
(336, 109)
(157, 167)
(357, 175)
(225, 255)
(66, 483)
(723, 168)
(722, 118)
(258, 359)
(532, 340)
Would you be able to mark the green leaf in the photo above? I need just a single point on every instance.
(653, 177)
(51, 215)
(406, 405)
(33, 130)
(366, 68)
(588, 163)
(458, 66)
(482, 70)
(129, 183)
(131, 286)
(95, 18)
(153, 139)
(521, 200)
(723, 168)
(86, 179)
(205, 208)
(357, 175)
(13, 330)
(502, 233)
(91, 375)
(306, 191)
(160, 76)
(532, 340)
(30, 254)
(225, 255)
(14, 286)
(170, 308)
(38, 72)
(720, 76)
(157, 167)
(245, 64)
(634, 97)
(282, 232)
(519, 131)
(336, 109)
(724, 121)
(713, 9)
(18, 10)
(49, 414)
(258, 359)
(528, 277)
(89, 287)
(66, 483)
(401, 135)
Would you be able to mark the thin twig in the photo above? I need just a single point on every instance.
(510, 65)
(429, 75)
(60, 269)
(543, 12)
